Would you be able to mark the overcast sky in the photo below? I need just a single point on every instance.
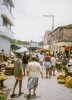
(30, 24)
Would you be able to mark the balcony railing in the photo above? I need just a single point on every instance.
(6, 13)
(12, 2)
(7, 32)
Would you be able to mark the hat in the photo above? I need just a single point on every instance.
(33, 56)
(47, 52)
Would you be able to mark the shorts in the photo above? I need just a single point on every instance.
(24, 66)
(47, 64)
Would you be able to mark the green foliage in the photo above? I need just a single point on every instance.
(2, 98)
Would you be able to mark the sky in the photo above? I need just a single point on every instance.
(30, 22)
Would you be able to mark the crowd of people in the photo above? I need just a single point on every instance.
(32, 63)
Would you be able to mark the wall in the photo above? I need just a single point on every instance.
(5, 44)
(67, 34)
(1, 1)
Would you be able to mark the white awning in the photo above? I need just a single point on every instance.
(46, 47)
(21, 50)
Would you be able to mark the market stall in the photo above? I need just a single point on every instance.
(64, 78)
(3, 77)
(9, 70)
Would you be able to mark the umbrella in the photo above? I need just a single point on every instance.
(21, 50)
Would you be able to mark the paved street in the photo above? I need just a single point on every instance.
(48, 89)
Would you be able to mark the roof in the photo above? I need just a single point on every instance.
(66, 26)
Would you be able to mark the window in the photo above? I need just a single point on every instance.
(5, 23)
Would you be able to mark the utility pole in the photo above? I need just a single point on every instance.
(52, 20)
(52, 16)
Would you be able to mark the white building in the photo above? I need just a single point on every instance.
(6, 21)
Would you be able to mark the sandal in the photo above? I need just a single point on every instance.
(21, 93)
(46, 77)
(13, 95)
(29, 95)
(54, 75)
(34, 94)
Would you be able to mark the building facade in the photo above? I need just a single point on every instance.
(63, 39)
(60, 40)
(6, 21)
(46, 40)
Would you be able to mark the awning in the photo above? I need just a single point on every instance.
(21, 50)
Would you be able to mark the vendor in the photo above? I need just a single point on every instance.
(70, 64)
(0, 57)
(3, 54)
(11, 54)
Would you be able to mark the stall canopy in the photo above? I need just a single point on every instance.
(21, 50)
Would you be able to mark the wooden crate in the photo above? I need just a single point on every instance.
(9, 71)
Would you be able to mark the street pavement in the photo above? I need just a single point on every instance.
(48, 89)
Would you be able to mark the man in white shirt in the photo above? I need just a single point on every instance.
(41, 59)
(53, 63)
(33, 70)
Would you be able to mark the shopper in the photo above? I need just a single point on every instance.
(3, 54)
(18, 74)
(25, 62)
(53, 64)
(47, 65)
(33, 70)
(64, 62)
(41, 59)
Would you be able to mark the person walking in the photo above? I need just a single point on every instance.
(47, 64)
(53, 64)
(18, 73)
(25, 62)
(64, 62)
(3, 54)
(41, 59)
(33, 70)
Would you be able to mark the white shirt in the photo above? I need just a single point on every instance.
(12, 54)
(53, 61)
(41, 57)
(70, 68)
(70, 61)
(34, 68)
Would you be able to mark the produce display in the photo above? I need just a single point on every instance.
(4, 63)
(2, 95)
(58, 65)
(2, 76)
(61, 81)
(6, 67)
(68, 82)
(9, 70)
(10, 65)
(58, 62)
(61, 76)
